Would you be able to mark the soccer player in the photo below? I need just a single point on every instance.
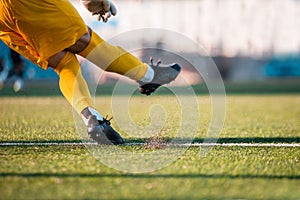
(50, 32)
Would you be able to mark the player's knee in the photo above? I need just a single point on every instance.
(54, 60)
(81, 44)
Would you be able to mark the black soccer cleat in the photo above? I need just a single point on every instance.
(163, 74)
(101, 131)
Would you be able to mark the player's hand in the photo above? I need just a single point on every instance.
(103, 8)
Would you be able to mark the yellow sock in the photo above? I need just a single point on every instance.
(72, 84)
(113, 58)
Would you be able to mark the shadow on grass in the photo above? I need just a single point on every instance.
(236, 140)
(253, 140)
(150, 176)
(133, 141)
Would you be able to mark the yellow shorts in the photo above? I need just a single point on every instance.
(38, 29)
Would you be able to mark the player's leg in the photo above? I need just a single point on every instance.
(115, 59)
(2, 77)
(18, 63)
(74, 88)
(17, 70)
(71, 83)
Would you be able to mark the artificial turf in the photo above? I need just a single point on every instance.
(72, 172)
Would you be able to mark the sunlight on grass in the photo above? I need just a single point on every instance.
(68, 172)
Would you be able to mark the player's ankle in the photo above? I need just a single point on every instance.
(149, 75)
(87, 112)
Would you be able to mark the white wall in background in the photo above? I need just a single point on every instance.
(227, 27)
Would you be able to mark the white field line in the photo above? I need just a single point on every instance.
(7, 144)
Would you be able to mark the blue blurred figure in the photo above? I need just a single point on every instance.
(16, 71)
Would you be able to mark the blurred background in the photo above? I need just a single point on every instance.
(250, 41)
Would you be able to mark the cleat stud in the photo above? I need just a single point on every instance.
(158, 62)
(151, 60)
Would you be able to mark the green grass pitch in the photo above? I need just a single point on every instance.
(227, 172)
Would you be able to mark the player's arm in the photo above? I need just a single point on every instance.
(103, 8)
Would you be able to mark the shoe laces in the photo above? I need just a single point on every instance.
(158, 62)
(105, 120)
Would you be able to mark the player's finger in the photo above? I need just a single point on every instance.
(106, 6)
(99, 18)
(106, 16)
(113, 9)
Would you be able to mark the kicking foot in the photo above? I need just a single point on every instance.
(163, 74)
